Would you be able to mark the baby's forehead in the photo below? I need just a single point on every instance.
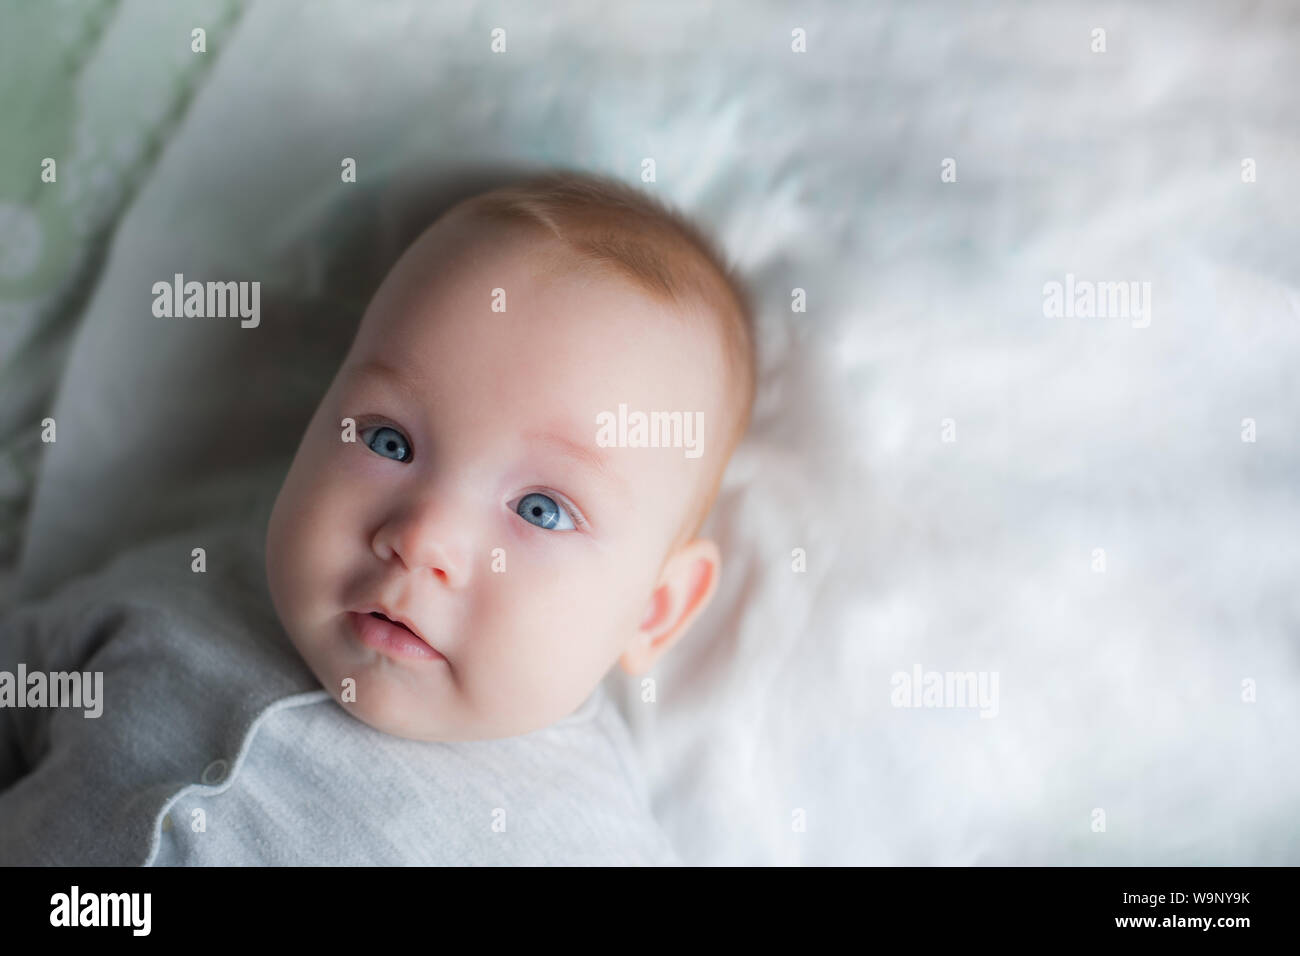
(473, 286)
(511, 311)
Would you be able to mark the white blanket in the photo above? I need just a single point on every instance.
(956, 466)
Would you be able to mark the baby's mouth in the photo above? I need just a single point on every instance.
(406, 627)
(383, 617)
(386, 637)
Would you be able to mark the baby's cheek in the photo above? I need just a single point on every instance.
(305, 544)
(284, 552)
(535, 618)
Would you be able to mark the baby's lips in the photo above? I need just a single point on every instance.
(398, 619)
(376, 628)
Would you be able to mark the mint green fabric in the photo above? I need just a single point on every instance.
(97, 86)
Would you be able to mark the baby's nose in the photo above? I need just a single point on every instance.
(425, 538)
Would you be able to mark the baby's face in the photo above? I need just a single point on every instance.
(476, 503)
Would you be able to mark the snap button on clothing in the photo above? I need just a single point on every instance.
(215, 772)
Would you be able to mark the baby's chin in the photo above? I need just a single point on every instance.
(380, 692)
(385, 705)
(432, 710)
(395, 699)
(427, 728)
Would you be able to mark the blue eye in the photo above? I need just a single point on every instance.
(544, 512)
(390, 443)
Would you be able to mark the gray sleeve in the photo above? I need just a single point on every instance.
(23, 633)
(55, 634)
(12, 764)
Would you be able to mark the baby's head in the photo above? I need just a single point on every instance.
(501, 491)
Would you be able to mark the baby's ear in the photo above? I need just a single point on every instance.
(684, 589)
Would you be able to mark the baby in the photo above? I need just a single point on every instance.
(466, 553)
(463, 547)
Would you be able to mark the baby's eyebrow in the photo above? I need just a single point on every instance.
(582, 454)
(374, 368)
